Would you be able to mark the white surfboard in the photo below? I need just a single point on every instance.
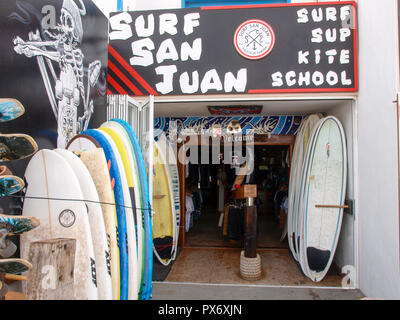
(97, 226)
(299, 150)
(324, 184)
(300, 200)
(172, 167)
(308, 142)
(96, 162)
(133, 287)
(308, 134)
(136, 182)
(292, 192)
(54, 196)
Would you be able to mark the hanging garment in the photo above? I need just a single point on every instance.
(287, 159)
(194, 177)
(189, 210)
(225, 226)
(197, 201)
(230, 174)
(192, 216)
(200, 198)
(205, 174)
(285, 204)
(199, 177)
(236, 222)
(221, 197)
(221, 191)
(278, 199)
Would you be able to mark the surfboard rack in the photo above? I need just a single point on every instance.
(9, 278)
(348, 206)
(331, 206)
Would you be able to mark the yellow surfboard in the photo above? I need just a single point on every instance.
(164, 226)
(134, 270)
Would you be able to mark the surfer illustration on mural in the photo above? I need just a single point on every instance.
(61, 50)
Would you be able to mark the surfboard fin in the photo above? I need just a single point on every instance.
(317, 259)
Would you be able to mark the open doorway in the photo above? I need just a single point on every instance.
(209, 204)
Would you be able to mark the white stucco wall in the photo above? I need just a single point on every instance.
(377, 140)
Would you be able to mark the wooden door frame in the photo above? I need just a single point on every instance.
(260, 140)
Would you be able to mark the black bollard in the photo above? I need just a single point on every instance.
(250, 231)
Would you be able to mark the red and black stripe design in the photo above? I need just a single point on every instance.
(123, 79)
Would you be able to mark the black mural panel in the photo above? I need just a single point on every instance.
(246, 49)
(53, 59)
(68, 36)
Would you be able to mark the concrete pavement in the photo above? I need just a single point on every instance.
(196, 291)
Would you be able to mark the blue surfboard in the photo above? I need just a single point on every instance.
(148, 263)
(10, 109)
(120, 207)
(10, 184)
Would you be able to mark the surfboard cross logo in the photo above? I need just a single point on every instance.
(67, 218)
(254, 39)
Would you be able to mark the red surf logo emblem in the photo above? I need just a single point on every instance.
(254, 39)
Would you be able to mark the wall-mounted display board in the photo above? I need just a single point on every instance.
(275, 48)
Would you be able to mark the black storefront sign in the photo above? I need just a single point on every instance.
(234, 50)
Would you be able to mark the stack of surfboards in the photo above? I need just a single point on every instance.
(317, 189)
(166, 201)
(96, 191)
